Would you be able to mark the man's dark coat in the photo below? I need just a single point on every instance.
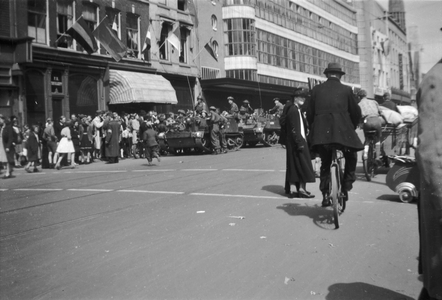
(298, 165)
(333, 115)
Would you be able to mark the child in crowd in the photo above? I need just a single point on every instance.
(150, 139)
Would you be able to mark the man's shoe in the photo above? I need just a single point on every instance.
(345, 195)
(325, 200)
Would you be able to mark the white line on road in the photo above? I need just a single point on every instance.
(77, 172)
(200, 170)
(237, 196)
(2, 190)
(161, 170)
(39, 190)
(151, 192)
(247, 170)
(89, 190)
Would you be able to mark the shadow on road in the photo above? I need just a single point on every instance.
(362, 291)
(322, 217)
(392, 198)
(275, 189)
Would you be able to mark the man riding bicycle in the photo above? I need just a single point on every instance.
(372, 120)
(333, 115)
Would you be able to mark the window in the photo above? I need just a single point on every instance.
(181, 5)
(166, 27)
(132, 35)
(214, 23)
(90, 16)
(184, 33)
(240, 37)
(65, 19)
(215, 47)
(113, 17)
(37, 20)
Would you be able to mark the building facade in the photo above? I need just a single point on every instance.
(46, 73)
(269, 47)
(383, 49)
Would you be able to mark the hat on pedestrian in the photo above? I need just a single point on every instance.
(199, 98)
(362, 93)
(180, 111)
(48, 120)
(212, 108)
(301, 92)
(246, 102)
(275, 99)
(230, 98)
(334, 67)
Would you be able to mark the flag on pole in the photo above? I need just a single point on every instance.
(147, 41)
(80, 32)
(209, 49)
(109, 40)
(115, 26)
(174, 38)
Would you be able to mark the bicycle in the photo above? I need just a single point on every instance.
(335, 194)
(369, 164)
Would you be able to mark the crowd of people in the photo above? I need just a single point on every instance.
(109, 136)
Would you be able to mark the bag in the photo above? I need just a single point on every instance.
(391, 116)
(408, 112)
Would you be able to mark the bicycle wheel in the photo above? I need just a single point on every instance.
(335, 194)
(369, 163)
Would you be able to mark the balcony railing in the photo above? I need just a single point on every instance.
(209, 73)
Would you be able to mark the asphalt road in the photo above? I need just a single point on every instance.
(200, 227)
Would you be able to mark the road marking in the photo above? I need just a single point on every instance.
(201, 170)
(162, 170)
(76, 172)
(237, 196)
(89, 190)
(39, 190)
(247, 170)
(2, 190)
(151, 192)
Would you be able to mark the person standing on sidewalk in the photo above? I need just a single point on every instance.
(215, 135)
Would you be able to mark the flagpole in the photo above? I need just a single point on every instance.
(64, 34)
(198, 54)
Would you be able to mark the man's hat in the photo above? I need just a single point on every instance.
(49, 120)
(301, 92)
(199, 98)
(180, 111)
(246, 101)
(212, 108)
(334, 67)
(230, 98)
(275, 99)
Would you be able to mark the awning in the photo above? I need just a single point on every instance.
(133, 87)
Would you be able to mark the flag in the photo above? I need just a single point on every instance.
(115, 26)
(192, 12)
(109, 40)
(80, 32)
(174, 38)
(147, 41)
(209, 49)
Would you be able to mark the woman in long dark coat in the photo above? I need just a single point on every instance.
(299, 167)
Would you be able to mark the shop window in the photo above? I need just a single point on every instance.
(132, 35)
(65, 19)
(83, 94)
(37, 20)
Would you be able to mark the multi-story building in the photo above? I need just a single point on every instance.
(383, 50)
(46, 73)
(268, 47)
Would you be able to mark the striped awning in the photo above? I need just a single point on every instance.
(133, 87)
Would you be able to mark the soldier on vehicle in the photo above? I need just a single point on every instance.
(200, 105)
(233, 107)
(278, 108)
